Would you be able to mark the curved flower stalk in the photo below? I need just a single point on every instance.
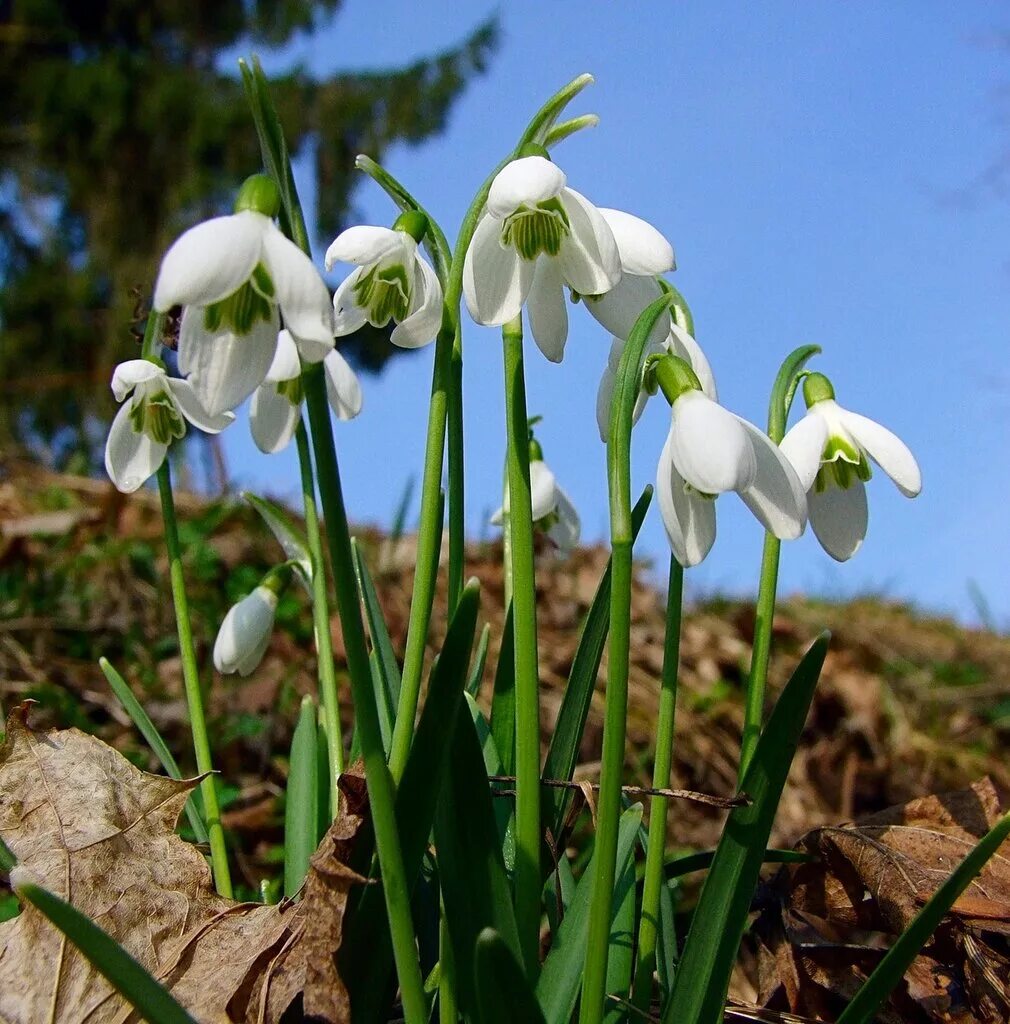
(235, 276)
(276, 408)
(392, 281)
(535, 236)
(830, 449)
(710, 451)
(154, 413)
(553, 511)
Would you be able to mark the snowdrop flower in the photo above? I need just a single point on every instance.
(245, 632)
(710, 451)
(154, 413)
(392, 282)
(276, 408)
(831, 448)
(234, 275)
(535, 236)
(553, 511)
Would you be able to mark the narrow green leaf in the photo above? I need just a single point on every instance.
(563, 753)
(301, 811)
(149, 731)
(620, 960)
(7, 858)
(291, 539)
(503, 700)
(504, 995)
(382, 643)
(710, 950)
(889, 972)
(561, 975)
(126, 976)
(503, 806)
(475, 887)
(545, 118)
(477, 672)
(668, 949)
(558, 892)
(367, 957)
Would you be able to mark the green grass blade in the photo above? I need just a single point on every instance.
(889, 972)
(301, 810)
(710, 950)
(563, 753)
(503, 700)
(477, 672)
(561, 975)
(7, 858)
(291, 539)
(367, 960)
(475, 887)
(504, 995)
(620, 960)
(149, 731)
(680, 866)
(126, 976)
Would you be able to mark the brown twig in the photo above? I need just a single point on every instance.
(740, 800)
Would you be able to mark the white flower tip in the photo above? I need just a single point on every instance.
(21, 876)
(361, 159)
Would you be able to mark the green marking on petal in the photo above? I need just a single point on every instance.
(292, 390)
(245, 307)
(842, 464)
(546, 522)
(535, 230)
(157, 416)
(384, 294)
(704, 495)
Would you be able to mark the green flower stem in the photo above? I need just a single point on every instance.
(377, 776)
(608, 807)
(191, 682)
(457, 539)
(648, 929)
(527, 682)
(448, 1011)
(783, 392)
(321, 620)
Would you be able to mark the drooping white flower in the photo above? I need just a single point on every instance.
(392, 281)
(535, 236)
(276, 408)
(709, 451)
(234, 275)
(155, 408)
(553, 511)
(245, 632)
(831, 448)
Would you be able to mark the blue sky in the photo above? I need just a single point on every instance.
(820, 169)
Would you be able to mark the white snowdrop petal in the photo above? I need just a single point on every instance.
(803, 446)
(273, 419)
(543, 490)
(495, 280)
(684, 345)
(363, 244)
(688, 519)
(342, 387)
(643, 250)
(210, 261)
(128, 375)
(887, 450)
(839, 519)
(710, 448)
(245, 632)
(619, 308)
(131, 458)
(348, 315)
(776, 497)
(524, 182)
(190, 406)
(566, 531)
(421, 326)
(225, 368)
(547, 311)
(590, 263)
(301, 292)
(285, 365)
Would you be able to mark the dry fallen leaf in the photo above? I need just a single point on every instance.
(98, 832)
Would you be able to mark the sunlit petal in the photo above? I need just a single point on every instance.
(839, 519)
(524, 182)
(495, 280)
(131, 458)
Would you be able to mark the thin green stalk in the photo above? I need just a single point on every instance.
(448, 1010)
(781, 400)
(655, 878)
(527, 682)
(381, 790)
(608, 808)
(191, 682)
(457, 539)
(321, 620)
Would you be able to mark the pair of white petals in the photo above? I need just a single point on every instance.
(212, 261)
(132, 457)
(839, 516)
(274, 417)
(374, 250)
(708, 452)
(550, 503)
(245, 633)
(498, 281)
